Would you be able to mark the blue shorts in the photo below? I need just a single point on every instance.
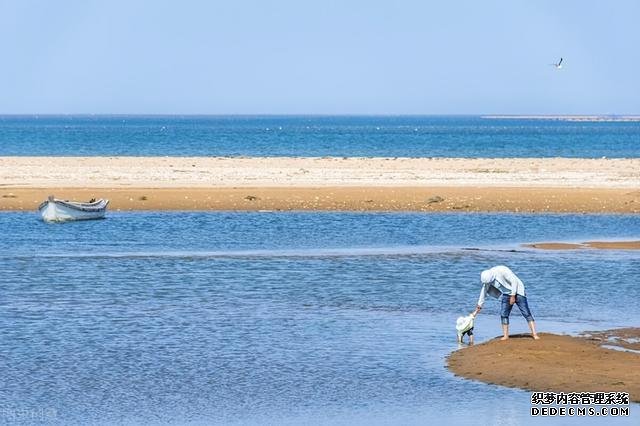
(505, 308)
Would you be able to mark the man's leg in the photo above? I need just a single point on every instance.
(523, 305)
(505, 331)
(505, 310)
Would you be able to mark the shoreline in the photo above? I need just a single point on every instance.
(558, 185)
(372, 199)
(208, 172)
(555, 363)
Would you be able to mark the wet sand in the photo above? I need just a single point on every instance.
(421, 199)
(328, 183)
(628, 338)
(601, 245)
(554, 363)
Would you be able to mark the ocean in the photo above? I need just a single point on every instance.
(285, 318)
(315, 136)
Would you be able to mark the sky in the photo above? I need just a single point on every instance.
(319, 57)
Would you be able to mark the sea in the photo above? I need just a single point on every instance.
(289, 318)
(315, 136)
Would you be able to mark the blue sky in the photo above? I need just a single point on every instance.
(319, 57)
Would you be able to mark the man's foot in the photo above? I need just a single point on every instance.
(535, 337)
(504, 338)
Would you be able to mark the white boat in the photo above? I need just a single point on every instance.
(54, 210)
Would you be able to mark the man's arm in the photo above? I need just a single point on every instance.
(483, 292)
(514, 282)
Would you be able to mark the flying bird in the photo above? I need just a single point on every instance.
(558, 65)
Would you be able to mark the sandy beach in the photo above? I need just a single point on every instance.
(555, 363)
(357, 184)
(601, 245)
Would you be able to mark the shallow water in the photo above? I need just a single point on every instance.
(315, 136)
(284, 318)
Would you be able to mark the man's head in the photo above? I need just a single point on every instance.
(487, 276)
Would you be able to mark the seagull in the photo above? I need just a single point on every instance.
(558, 65)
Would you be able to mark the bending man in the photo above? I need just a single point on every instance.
(502, 283)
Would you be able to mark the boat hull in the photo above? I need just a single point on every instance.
(59, 211)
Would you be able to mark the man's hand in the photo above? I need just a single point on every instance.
(512, 299)
(478, 308)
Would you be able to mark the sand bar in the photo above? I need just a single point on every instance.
(601, 245)
(554, 363)
(420, 199)
(203, 172)
(583, 118)
(358, 184)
